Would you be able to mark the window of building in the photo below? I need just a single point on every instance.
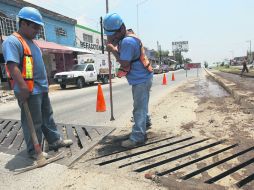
(60, 31)
(7, 26)
(41, 34)
(88, 38)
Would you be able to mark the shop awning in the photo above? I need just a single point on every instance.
(172, 60)
(52, 47)
(80, 50)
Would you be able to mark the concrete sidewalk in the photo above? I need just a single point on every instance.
(241, 88)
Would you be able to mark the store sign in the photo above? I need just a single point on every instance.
(182, 46)
(192, 65)
(91, 46)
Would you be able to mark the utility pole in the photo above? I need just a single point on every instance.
(102, 39)
(159, 50)
(106, 6)
(250, 53)
(138, 4)
(110, 77)
(137, 20)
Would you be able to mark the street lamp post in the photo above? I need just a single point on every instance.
(250, 53)
(138, 4)
(232, 56)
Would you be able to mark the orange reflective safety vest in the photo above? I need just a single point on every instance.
(143, 58)
(27, 70)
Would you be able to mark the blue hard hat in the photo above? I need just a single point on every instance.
(112, 22)
(31, 14)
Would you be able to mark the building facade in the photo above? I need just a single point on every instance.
(91, 40)
(57, 33)
(62, 41)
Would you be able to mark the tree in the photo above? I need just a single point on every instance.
(178, 57)
(187, 60)
(163, 54)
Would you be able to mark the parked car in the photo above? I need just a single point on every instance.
(177, 67)
(165, 68)
(172, 67)
(157, 69)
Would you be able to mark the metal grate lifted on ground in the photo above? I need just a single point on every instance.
(84, 139)
(187, 158)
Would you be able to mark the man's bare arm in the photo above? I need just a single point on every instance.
(115, 52)
(17, 77)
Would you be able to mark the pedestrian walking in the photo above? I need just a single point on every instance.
(28, 77)
(129, 52)
(245, 68)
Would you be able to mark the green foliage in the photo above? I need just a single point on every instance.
(163, 54)
(187, 60)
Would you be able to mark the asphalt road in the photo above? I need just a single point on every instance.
(78, 106)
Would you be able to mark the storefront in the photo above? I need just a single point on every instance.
(90, 40)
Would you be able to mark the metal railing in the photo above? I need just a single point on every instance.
(9, 25)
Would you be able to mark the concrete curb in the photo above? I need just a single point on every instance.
(241, 97)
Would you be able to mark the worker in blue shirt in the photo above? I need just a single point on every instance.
(129, 52)
(27, 74)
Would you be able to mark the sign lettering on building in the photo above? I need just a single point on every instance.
(88, 45)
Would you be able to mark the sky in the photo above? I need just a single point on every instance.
(215, 29)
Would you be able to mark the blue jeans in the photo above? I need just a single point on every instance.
(42, 115)
(141, 94)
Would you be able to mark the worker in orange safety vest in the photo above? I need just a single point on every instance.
(27, 74)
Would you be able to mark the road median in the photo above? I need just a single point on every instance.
(242, 96)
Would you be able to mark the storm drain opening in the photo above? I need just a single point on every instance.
(188, 158)
(84, 139)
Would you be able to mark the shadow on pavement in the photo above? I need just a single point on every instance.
(21, 160)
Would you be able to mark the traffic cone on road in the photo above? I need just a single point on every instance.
(100, 104)
(164, 82)
(173, 76)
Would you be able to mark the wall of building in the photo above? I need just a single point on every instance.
(50, 26)
(94, 45)
(8, 10)
(53, 36)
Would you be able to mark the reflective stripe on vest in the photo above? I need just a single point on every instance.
(27, 64)
(143, 58)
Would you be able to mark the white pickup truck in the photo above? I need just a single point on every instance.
(82, 74)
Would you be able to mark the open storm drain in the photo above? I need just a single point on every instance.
(209, 161)
(84, 139)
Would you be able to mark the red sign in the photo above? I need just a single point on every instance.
(192, 65)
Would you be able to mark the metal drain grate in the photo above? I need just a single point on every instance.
(84, 139)
(188, 157)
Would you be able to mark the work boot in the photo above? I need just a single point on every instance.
(60, 143)
(35, 156)
(130, 144)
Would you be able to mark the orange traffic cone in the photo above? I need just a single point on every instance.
(164, 82)
(173, 76)
(100, 104)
